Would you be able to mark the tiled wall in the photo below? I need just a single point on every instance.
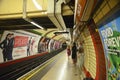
(94, 61)
(89, 51)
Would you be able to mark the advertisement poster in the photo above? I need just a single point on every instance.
(56, 45)
(43, 45)
(51, 45)
(20, 44)
(110, 35)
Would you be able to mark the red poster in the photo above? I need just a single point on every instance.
(20, 41)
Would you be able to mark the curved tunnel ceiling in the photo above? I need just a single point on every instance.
(47, 32)
(50, 33)
(11, 18)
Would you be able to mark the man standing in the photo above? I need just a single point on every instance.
(74, 53)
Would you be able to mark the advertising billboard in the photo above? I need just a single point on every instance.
(43, 44)
(110, 36)
(15, 44)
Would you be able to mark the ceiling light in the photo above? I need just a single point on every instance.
(36, 25)
(44, 12)
(37, 5)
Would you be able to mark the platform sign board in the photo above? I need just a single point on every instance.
(110, 36)
(24, 44)
(79, 9)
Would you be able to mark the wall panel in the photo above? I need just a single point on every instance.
(90, 57)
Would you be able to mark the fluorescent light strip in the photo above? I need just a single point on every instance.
(36, 25)
(37, 5)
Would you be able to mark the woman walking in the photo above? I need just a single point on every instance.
(68, 51)
(74, 53)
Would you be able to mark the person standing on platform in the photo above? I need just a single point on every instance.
(80, 55)
(68, 51)
(74, 53)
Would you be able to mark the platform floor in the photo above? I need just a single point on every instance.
(60, 67)
(63, 69)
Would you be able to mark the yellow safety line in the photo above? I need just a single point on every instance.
(29, 76)
(38, 70)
